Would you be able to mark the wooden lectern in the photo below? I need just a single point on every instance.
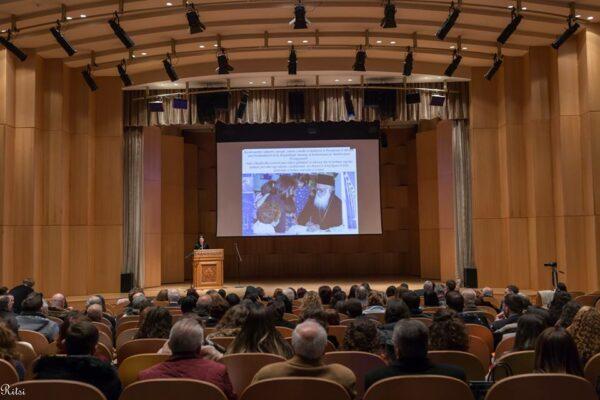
(208, 268)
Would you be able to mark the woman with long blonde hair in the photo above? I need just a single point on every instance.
(311, 300)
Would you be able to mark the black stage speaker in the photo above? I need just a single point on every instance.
(470, 277)
(126, 282)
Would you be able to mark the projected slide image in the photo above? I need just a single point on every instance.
(299, 191)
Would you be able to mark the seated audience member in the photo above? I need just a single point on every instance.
(94, 312)
(511, 289)
(404, 285)
(262, 295)
(203, 308)
(322, 317)
(375, 304)
(390, 292)
(412, 300)
(233, 299)
(192, 292)
(352, 292)
(251, 294)
(337, 298)
(353, 308)
(218, 307)
(568, 313)
(8, 349)
(395, 311)
(448, 332)
(585, 331)
(427, 286)
(20, 293)
(276, 309)
(186, 361)
(333, 317)
(58, 306)
(483, 295)
(512, 310)
(450, 285)
(99, 299)
(137, 305)
(362, 335)
(287, 304)
(173, 297)
(311, 300)
(188, 305)
(291, 294)
(258, 335)
(300, 292)
(325, 294)
(162, 295)
(155, 323)
(309, 340)
(231, 323)
(80, 365)
(222, 293)
(3, 290)
(7, 315)
(430, 298)
(362, 294)
(32, 319)
(540, 312)
(529, 328)
(456, 302)
(410, 343)
(556, 352)
(559, 300)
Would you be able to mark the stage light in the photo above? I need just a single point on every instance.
(156, 106)
(360, 59)
(456, 59)
(413, 98)
(572, 27)
(300, 21)
(349, 105)
(10, 46)
(122, 69)
(292, 62)
(193, 18)
(64, 43)
(241, 108)
(180, 104)
(437, 100)
(516, 19)
(223, 62)
(169, 69)
(120, 32)
(408, 62)
(453, 14)
(89, 79)
(389, 16)
(498, 60)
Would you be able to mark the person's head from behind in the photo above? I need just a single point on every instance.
(233, 299)
(511, 289)
(309, 340)
(362, 335)
(301, 292)
(585, 330)
(276, 309)
(162, 295)
(568, 313)
(136, 291)
(187, 304)
(353, 308)
(325, 294)
(352, 291)
(513, 304)
(311, 300)
(559, 300)
(218, 307)
(258, 334)
(234, 318)
(428, 285)
(3, 290)
(411, 339)
(411, 299)
(81, 338)
(155, 323)
(487, 292)
(561, 286)
(451, 285)
(316, 314)
(186, 337)
(339, 296)
(556, 352)
(375, 299)
(390, 291)
(6, 303)
(529, 328)
(33, 303)
(192, 292)
(94, 312)
(362, 293)
(395, 311)
(8, 342)
(430, 298)
(448, 332)
(455, 301)
(173, 296)
(469, 297)
(204, 304)
(58, 301)
(29, 282)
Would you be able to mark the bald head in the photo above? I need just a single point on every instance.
(58, 300)
(469, 295)
(94, 312)
(309, 340)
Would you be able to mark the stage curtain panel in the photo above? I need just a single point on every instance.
(265, 106)
(461, 159)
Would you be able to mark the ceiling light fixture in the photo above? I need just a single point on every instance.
(193, 18)
(10, 46)
(89, 78)
(389, 16)
(169, 69)
(515, 20)
(62, 41)
(300, 21)
(498, 60)
(360, 60)
(120, 32)
(453, 13)
(572, 27)
(292, 62)
(223, 62)
(122, 69)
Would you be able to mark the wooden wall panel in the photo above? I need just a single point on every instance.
(151, 207)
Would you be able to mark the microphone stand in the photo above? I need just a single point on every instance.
(239, 262)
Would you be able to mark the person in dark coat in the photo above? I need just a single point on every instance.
(20, 293)
(324, 209)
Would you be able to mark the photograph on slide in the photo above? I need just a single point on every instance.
(299, 201)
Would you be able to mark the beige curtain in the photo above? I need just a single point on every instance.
(461, 159)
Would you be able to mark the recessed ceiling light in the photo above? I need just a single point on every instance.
(133, 56)
(215, 45)
(590, 18)
(465, 48)
(169, 4)
(264, 82)
(379, 41)
(144, 53)
(176, 84)
(251, 83)
(337, 80)
(393, 42)
(453, 47)
(511, 6)
(82, 16)
(69, 18)
(524, 8)
(305, 41)
(349, 79)
(201, 46)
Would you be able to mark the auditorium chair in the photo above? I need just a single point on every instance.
(504, 346)
(116, 309)
(295, 389)
(8, 373)
(542, 387)
(480, 349)
(36, 339)
(379, 317)
(126, 336)
(105, 340)
(346, 322)
(175, 318)
(57, 389)
(139, 346)
(592, 370)
(224, 342)
(513, 363)
(482, 332)
(131, 366)
(103, 328)
(51, 349)
(432, 310)
(27, 354)
(329, 347)
(104, 352)
(290, 317)
(121, 327)
(161, 389)
(588, 299)
(157, 303)
(285, 332)
(419, 387)
(358, 362)
(127, 318)
(106, 322)
(58, 321)
(208, 331)
(493, 301)
(242, 367)
(426, 321)
(339, 331)
(469, 362)
(490, 313)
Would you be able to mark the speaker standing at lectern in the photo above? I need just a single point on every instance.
(201, 244)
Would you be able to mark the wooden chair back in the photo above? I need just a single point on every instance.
(358, 362)
(55, 319)
(411, 387)
(241, 368)
(105, 340)
(514, 363)
(379, 317)
(103, 328)
(106, 322)
(432, 310)
(285, 332)
(104, 352)
(339, 331)
(28, 354)
(160, 389)
(504, 346)
(493, 301)
(542, 387)
(296, 389)
(36, 339)
(132, 366)
(126, 336)
(588, 299)
(224, 342)
(58, 389)
(592, 370)
(468, 362)
(126, 325)
(127, 318)
(347, 322)
(8, 373)
(482, 332)
(480, 349)
(290, 317)
(139, 346)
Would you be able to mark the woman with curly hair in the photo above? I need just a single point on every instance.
(311, 300)
(585, 330)
(362, 335)
(231, 323)
(448, 332)
(8, 349)
(155, 323)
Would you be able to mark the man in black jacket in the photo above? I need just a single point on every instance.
(20, 293)
(411, 339)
